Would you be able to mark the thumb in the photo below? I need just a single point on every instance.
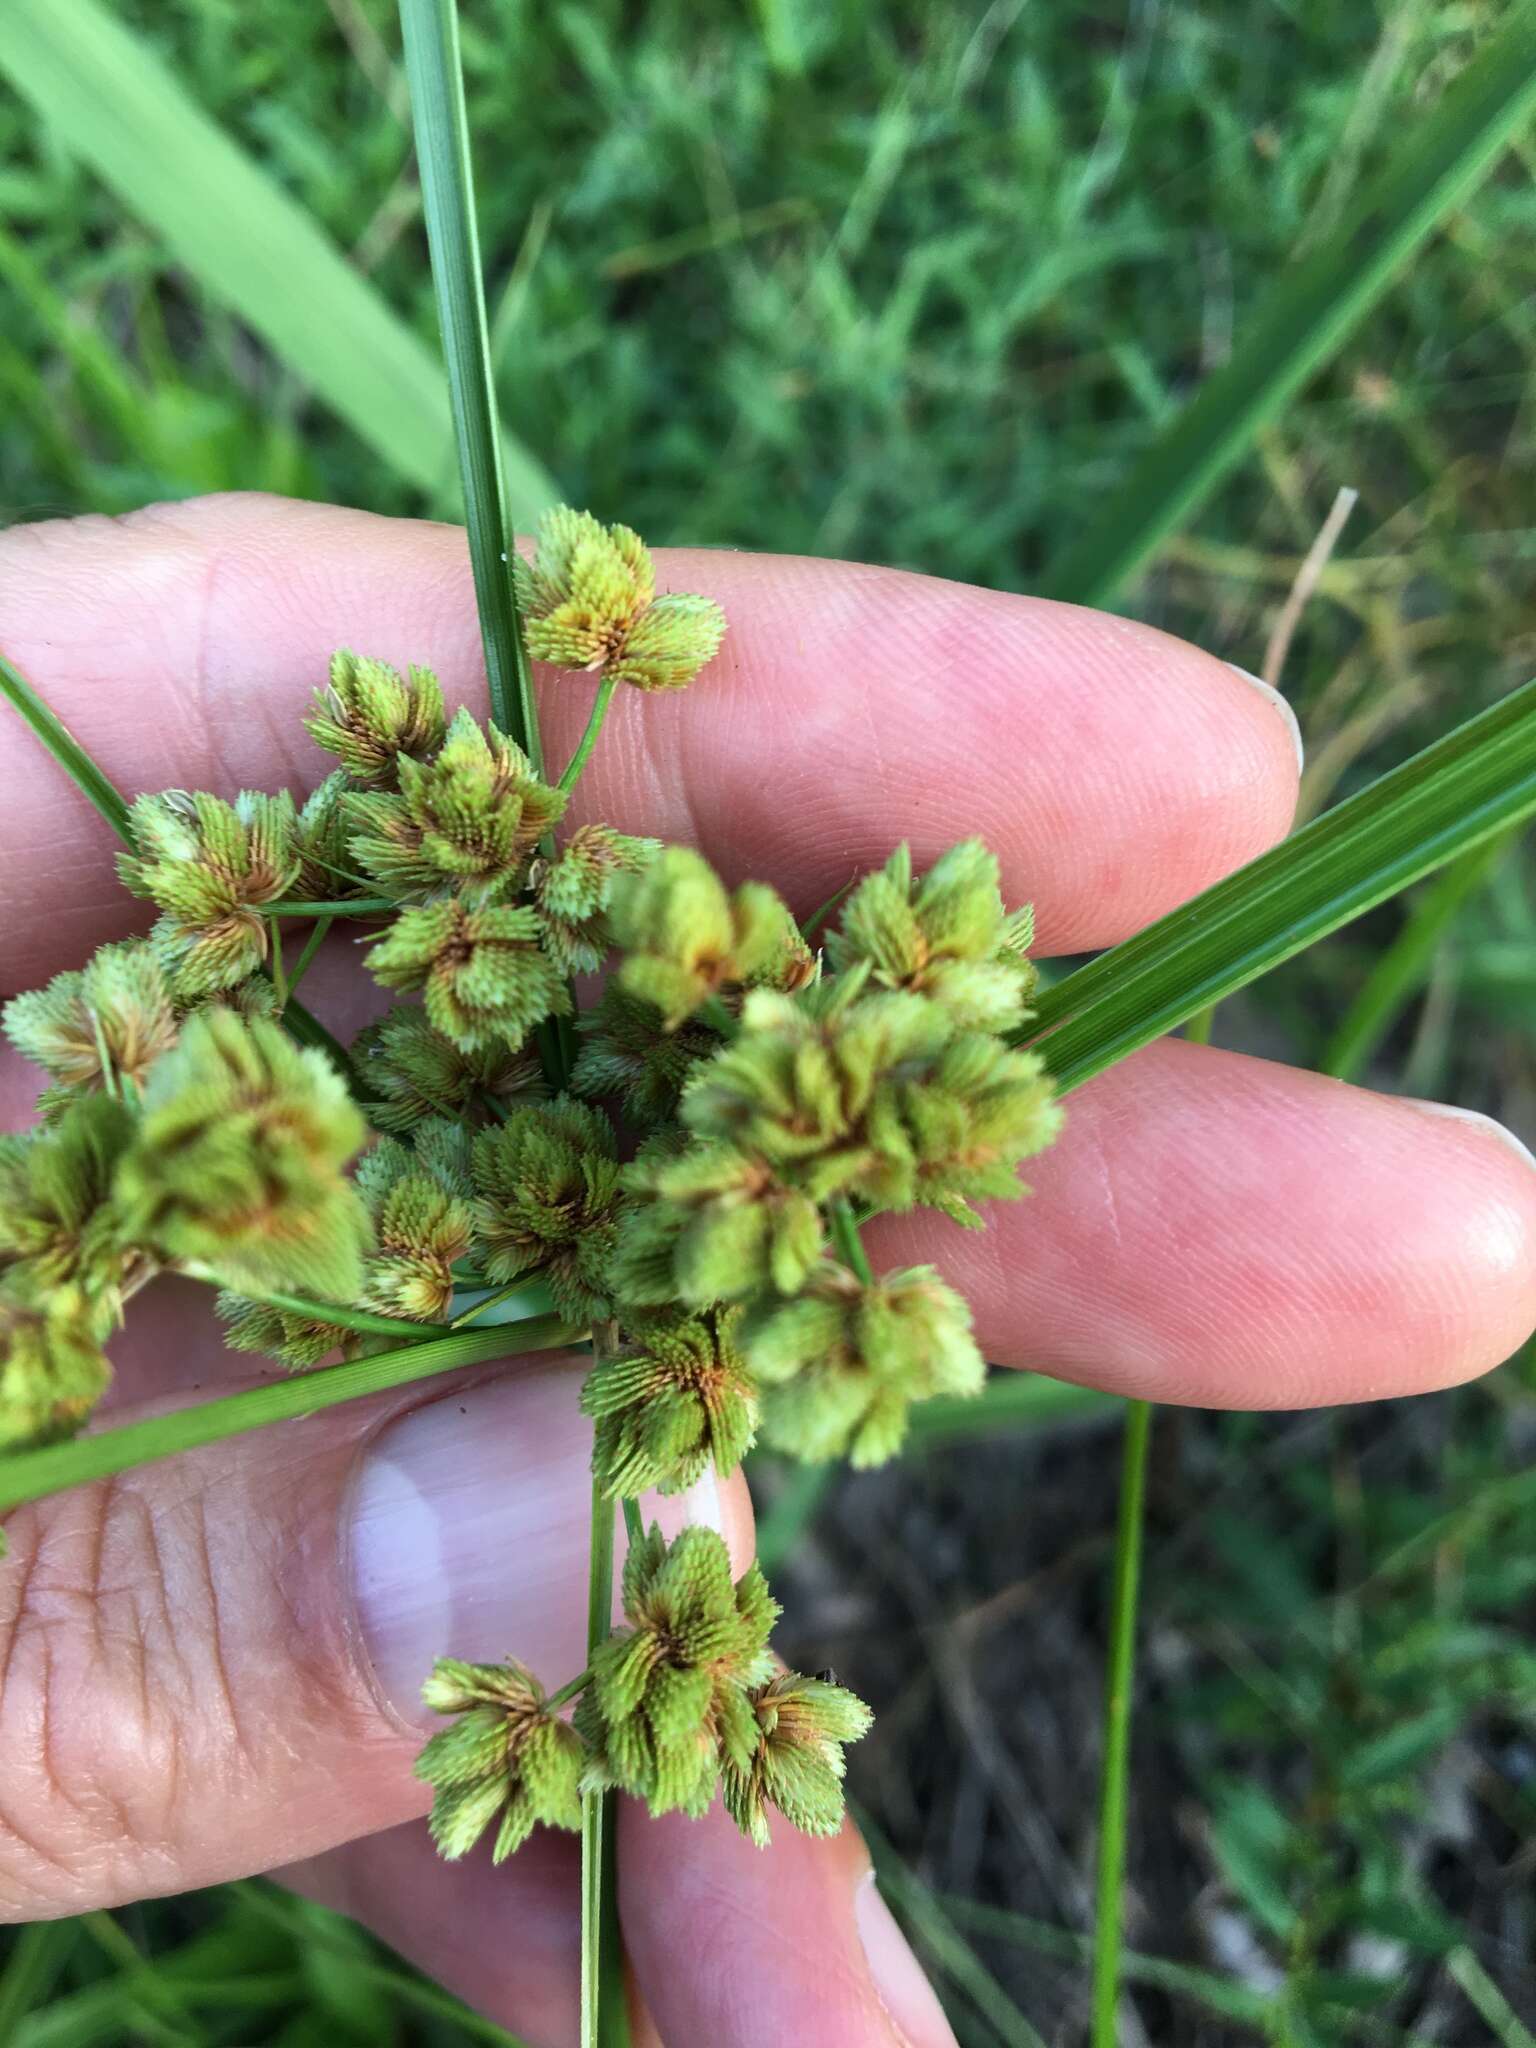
(213, 1665)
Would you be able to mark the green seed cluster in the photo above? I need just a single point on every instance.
(684, 1176)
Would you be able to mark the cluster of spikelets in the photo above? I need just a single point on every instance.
(683, 1181)
(680, 1701)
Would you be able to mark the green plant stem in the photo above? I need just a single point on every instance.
(845, 1235)
(603, 2020)
(431, 32)
(341, 906)
(1477, 782)
(713, 1012)
(307, 954)
(1115, 1773)
(362, 1320)
(31, 1475)
(279, 978)
(535, 1289)
(634, 1526)
(588, 740)
(1402, 968)
(91, 782)
(569, 1690)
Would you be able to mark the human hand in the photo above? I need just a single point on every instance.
(211, 1667)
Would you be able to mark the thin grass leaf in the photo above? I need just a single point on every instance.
(108, 98)
(30, 1475)
(1475, 782)
(1309, 311)
(431, 29)
(90, 780)
(37, 1954)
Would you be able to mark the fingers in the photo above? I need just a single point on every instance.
(755, 1947)
(213, 1665)
(1220, 1231)
(1115, 770)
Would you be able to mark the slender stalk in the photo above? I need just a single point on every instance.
(431, 31)
(603, 2020)
(1115, 1773)
(845, 1235)
(31, 1475)
(571, 1687)
(634, 1525)
(279, 978)
(588, 740)
(362, 1320)
(307, 953)
(341, 906)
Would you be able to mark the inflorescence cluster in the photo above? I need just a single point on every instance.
(680, 1171)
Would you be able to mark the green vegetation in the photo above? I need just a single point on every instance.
(926, 284)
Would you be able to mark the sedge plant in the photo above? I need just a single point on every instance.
(674, 1175)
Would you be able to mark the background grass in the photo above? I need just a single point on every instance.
(917, 283)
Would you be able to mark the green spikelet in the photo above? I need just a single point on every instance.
(840, 1365)
(467, 820)
(118, 1004)
(685, 937)
(212, 867)
(53, 1370)
(677, 1399)
(56, 1214)
(419, 1200)
(505, 1754)
(547, 1187)
(370, 717)
(624, 1052)
(718, 1225)
(803, 1725)
(669, 1691)
(297, 1341)
(947, 937)
(237, 1161)
(485, 980)
(589, 602)
(413, 1072)
(320, 840)
(574, 889)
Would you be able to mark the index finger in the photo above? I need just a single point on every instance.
(1114, 770)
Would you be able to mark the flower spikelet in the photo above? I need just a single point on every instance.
(686, 937)
(57, 1225)
(589, 602)
(574, 889)
(668, 1697)
(298, 1341)
(485, 981)
(419, 1200)
(238, 1157)
(413, 1072)
(53, 1370)
(505, 1753)
(948, 937)
(119, 1002)
(211, 867)
(371, 717)
(547, 1187)
(840, 1365)
(719, 1225)
(320, 839)
(624, 1051)
(677, 1399)
(467, 820)
(803, 1725)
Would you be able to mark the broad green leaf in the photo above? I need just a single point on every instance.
(1310, 309)
(1478, 781)
(109, 99)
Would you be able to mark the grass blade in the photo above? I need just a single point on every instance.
(56, 736)
(108, 98)
(1477, 781)
(30, 1475)
(1309, 311)
(431, 29)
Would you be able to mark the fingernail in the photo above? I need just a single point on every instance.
(909, 2000)
(1491, 1125)
(467, 1533)
(1272, 696)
